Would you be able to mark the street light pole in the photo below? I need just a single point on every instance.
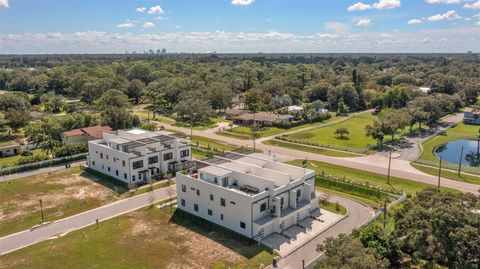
(41, 209)
(460, 163)
(389, 164)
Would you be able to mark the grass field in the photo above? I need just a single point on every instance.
(63, 193)
(148, 115)
(396, 184)
(12, 161)
(333, 207)
(317, 150)
(457, 132)
(355, 140)
(146, 238)
(449, 174)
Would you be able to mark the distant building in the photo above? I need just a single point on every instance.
(233, 113)
(10, 148)
(134, 156)
(471, 117)
(253, 195)
(83, 135)
(262, 118)
(295, 109)
(425, 89)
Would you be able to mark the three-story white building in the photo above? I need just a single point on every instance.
(253, 195)
(134, 156)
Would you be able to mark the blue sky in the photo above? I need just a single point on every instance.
(100, 26)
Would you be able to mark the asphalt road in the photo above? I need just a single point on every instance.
(25, 238)
(358, 214)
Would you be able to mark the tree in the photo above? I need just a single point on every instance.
(440, 227)
(52, 103)
(113, 106)
(347, 252)
(385, 245)
(342, 132)
(375, 131)
(135, 90)
(220, 96)
(156, 97)
(15, 108)
(140, 71)
(253, 96)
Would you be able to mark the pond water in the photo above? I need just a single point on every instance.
(451, 151)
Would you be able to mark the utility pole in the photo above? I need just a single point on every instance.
(384, 214)
(460, 163)
(389, 164)
(41, 209)
(439, 172)
(254, 134)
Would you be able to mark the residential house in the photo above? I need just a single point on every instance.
(10, 148)
(253, 195)
(83, 135)
(471, 117)
(262, 118)
(135, 156)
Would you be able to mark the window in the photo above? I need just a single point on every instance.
(184, 188)
(198, 192)
(116, 173)
(106, 156)
(299, 193)
(215, 180)
(114, 159)
(210, 212)
(167, 156)
(232, 202)
(133, 178)
(263, 207)
(221, 216)
(225, 182)
(139, 176)
(195, 207)
(123, 163)
(182, 202)
(184, 153)
(153, 160)
(211, 197)
(242, 224)
(101, 155)
(108, 168)
(281, 202)
(222, 202)
(137, 164)
(125, 175)
(93, 163)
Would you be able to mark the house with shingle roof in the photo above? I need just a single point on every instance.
(83, 135)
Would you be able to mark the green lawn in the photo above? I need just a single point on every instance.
(396, 184)
(12, 161)
(356, 140)
(306, 148)
(333, 207)
(207, 142)
(148, 115)
(449, 174)
(146, 238)
(457, 132)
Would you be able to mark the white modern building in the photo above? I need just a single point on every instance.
(252, 195)
(134, 156)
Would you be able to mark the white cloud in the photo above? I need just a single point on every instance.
(140, 9)
(363, 22)
(125, 25)
(3, 3)
(148, 24)
(426, 40)
(414, 21)
(443, 1)
(336, 27)
(359, 6)
(387, 4)
(156, 10)
(449, 15)
(475, 5)
(242, 2)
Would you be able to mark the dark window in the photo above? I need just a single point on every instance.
(137, 164)
(299, 193)
(232, 202)
(116, 172)
(108, 168)
(125, 175)
(215, 180)
(195, 207)
(93, 163)
(167, 156)
(153, 159)
(133, 178)
(198, 192)
(139, 176)
(281, 202)
(211, 197)
(123, 163)
(222, 202)
(106, 156)
(225, 182)
(242, 225)
(101, 155)
(221, 216)
(184, 188)
(184, 153)
(210, 212)
(263, 207)
(182, 202)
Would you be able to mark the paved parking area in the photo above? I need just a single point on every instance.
(299, 234)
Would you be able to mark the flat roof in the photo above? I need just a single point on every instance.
(215, 170)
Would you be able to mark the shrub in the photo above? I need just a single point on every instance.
(69, 150)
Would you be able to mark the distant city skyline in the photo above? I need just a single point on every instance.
(243, 26)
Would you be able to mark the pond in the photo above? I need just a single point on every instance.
(451, 151)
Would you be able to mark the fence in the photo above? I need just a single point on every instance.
(41, 164)
(399, 200)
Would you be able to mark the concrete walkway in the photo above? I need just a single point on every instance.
(25, 238)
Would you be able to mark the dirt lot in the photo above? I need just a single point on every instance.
(63, 193)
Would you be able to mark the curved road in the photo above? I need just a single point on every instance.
(358, 214)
